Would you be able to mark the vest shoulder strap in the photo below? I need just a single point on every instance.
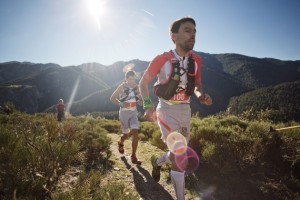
(126, 90)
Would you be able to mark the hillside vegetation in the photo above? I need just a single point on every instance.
(35, 88)
(280, 103)
(37, 153)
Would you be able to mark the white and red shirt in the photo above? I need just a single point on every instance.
(161, 67)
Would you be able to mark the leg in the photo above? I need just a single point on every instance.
(177, 178)
(135, 141)
(121, 143)
(177, 173)
(157, 162)
(174, 120)
(124, 137)
(125, 130)
(59, 116)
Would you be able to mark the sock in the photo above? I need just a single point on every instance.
(178, 181)
(164, 159)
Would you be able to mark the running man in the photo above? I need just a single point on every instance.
(178, 77)
(127, 96)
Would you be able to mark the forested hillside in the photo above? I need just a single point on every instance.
(281, 102)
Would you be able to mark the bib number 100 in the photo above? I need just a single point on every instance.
(180, 97)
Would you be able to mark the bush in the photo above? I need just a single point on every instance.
(97, 148)
(231, 143)
(94, 140)
(147, 129)
(34, 154)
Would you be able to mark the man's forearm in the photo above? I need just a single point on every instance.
(144, 89)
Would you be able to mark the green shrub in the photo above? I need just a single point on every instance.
(97, 148)
(157, 141)
(36, 151)
(148, 129)
(112, 126)
(34, 154)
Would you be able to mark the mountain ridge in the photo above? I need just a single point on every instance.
(223, 76)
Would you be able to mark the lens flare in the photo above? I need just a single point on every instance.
(128, 67)
(176, 143)
(188, 161)
(73, 94)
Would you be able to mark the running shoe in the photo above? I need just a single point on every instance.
(155, 169)
(134, 160)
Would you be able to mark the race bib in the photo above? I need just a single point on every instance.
(180, 97)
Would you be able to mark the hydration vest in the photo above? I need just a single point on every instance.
(171, 87)
(126, 93)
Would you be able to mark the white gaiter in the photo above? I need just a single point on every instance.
(178, 181)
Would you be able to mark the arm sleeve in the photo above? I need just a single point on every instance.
(154, 67)
(198, 73)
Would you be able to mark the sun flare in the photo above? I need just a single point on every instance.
(96, 9)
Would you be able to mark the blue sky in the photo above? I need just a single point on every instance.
(73, 32)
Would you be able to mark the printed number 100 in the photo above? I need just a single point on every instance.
(179, 97)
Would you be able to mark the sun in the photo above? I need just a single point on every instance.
(97, 10)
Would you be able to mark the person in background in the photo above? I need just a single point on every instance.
(178, 77)
(60, 109)
(127, 96)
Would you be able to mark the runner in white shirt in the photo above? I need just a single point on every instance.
(178, 77)
(127, 96)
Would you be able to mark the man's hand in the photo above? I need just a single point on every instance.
(150, 115)
(205, 99)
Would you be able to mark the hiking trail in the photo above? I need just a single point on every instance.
(208, 184)
(139, 176)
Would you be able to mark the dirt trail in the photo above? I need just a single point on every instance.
(208, 184)
(205, 184)
(139, 176)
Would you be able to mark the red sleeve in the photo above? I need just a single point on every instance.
(199, 65)
(154, 67)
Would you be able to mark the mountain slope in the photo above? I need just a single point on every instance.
(15, 71)
(283, 101)
(256, 72)
(87, 87)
